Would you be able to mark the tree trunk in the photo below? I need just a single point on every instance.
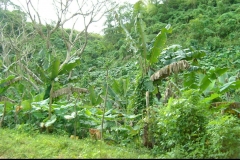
(146, 140)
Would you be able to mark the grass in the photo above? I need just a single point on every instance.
(15, 144)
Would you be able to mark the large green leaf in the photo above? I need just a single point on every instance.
(69, 66)
(205, 82)
(191, 80)
(158, 44)
(72, 116)
(214, 73)
(222, 78)
(43, 105)
(116, 86)
(210, 87)
(55, 68)
(94, 98)
(9, 106)
(125, 86)
(111, 92)
(88, 112)
(230, 85)
(208, 99)
(195, 54)
(140, 28)
(138, 7)
(51, 120)
(43, 74)
(148, 84)
(226, 86)
(26, 105)
(38, 97)
(3, 83)
(38, 114)
(131, 116)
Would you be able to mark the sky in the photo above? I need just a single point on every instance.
(47, 13)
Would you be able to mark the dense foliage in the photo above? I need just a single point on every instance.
(164, 75)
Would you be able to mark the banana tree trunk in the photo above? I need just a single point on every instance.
(146, 136)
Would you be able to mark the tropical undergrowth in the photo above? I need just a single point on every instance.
(188, 127)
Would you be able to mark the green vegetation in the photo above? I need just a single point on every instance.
(163, 80)
(17, 144)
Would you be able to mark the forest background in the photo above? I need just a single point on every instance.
(164, 75)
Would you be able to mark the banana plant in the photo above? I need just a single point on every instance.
(148, 56)
(6, 102)
(215, 80)
(119, 92)
(175, 53)
(52, 72)
(94, 98)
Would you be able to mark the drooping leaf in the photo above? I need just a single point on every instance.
(226, 86)
(230, 85)
(69, 66)
(47, 91)
(208, 99)
(232, 78)
(220, 71)
(110, 117)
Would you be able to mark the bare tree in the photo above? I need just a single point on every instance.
(84, 12)
(17, 41)
(16, 48)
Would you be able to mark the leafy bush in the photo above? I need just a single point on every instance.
(182, 123)
(187, 128)
(223, 134)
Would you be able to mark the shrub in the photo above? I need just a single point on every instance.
(223, 137)
(181, 123)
